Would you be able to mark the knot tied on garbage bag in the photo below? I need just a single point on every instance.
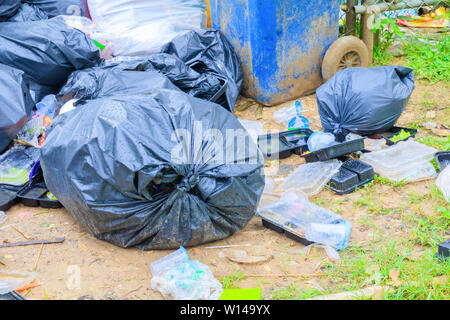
(188, 183)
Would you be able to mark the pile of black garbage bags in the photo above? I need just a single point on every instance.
(151, 156)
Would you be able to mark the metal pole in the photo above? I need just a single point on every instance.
(350, 19)
(366, 28)
(382, 7)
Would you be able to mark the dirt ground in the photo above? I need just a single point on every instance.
(109, 272)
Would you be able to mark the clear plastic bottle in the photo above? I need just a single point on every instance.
(334, 235)
(47, 106)
(299, 121)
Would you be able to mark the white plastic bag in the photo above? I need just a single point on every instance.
(12, 280)
(443, 183)
(178, 277)
(144, 26)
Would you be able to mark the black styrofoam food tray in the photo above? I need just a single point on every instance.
(13, 295)
(284, 144)
(442, 159)
(35, 196)
(266, 223)
(8, 198)
(335, 151)
(394, 131)
(444, 249)
(352, 175)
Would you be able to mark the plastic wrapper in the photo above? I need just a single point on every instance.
(443, 183)
(16, 165)
(364, 101)
(408, 161)
(28, 12)
(16, 104)
(141, 27)
(47, 51)
(310, 178)
(12, 280)
(55, 8)
(8, 8)
(297, 215)
(178, 277)
(3, 217)
(131, 170)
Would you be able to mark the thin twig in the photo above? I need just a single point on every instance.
(38, 257)
(133, 291)
(32, 242)
(292, 275)
(22, 233)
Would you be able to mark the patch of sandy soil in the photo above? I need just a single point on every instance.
(109, 272)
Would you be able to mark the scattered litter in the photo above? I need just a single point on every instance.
(3, 217)
(241, 256)
(281, 145)
(365, 101)
(336, 150)
(442, 159)
(352, 174)
(16, 103)
(47, 51)
(232, 246)
(312, 177)
(290, 114)
(12, 280)
(398, 134)
(330, 251)
(409, 161)
(142, 203)
(32, 242)
(178, 277)
(16, 165)
(443, 183)
(444, 250)
(320, 140)
(294, 215)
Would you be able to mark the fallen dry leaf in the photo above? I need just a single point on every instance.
(440, 132)
(241, 256)
(394, 274)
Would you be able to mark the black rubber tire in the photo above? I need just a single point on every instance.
(346, 52)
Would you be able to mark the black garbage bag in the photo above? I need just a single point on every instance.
(15, 104)
(89, 83)
(28, 12)
(208, 51)
(8, 8)
(364, 101)
(145, 171)
(98, 82)
(48, 51)
(61, 7)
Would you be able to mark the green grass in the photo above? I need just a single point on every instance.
(231, 281)
(295, 291)
(364, 266)
(430, 59)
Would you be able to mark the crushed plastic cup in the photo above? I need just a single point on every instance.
(319, 140)
(334, 235)
(287, 114)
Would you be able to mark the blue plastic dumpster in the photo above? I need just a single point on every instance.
(281, 43)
